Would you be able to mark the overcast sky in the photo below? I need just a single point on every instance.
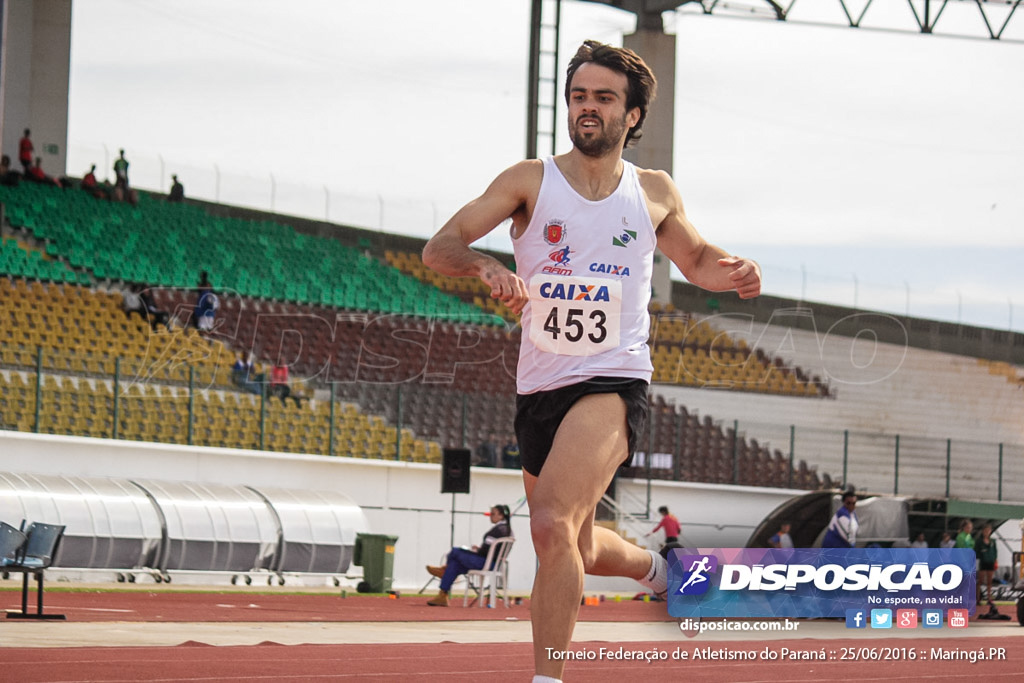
(877, 168)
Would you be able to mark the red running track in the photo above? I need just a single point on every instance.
(447, 661)
(476, 662)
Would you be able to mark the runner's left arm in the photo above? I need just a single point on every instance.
(702, 263)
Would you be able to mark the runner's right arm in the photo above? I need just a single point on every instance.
(448, 252)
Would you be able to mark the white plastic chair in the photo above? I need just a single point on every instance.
(495, 578)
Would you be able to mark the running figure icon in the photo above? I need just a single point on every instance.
(696, 570)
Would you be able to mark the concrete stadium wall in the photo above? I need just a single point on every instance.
(398, 498)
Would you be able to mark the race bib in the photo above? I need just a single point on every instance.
(574, 316)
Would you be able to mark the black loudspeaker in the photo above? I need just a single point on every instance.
(455, 470)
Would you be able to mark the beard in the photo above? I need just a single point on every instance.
(602, 140)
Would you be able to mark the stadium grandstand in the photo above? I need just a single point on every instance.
(400, 363)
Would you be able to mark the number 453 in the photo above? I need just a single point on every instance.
(576, 325)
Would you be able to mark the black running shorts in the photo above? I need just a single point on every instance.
(539, 415)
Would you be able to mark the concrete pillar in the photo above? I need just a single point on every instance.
(35, 70)
(656, 146)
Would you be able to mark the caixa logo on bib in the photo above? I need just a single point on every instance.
(817, 582)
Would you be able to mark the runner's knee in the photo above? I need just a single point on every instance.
(550, 531)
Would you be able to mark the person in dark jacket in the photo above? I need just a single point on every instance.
(462, 560)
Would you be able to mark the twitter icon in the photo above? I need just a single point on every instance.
(881, 618)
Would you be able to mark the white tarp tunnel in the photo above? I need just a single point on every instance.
(213, 527)
(125, 524)
(110, 523)
(318, 529)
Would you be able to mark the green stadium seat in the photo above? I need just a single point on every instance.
(154, 242)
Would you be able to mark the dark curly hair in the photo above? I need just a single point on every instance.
(642, 86)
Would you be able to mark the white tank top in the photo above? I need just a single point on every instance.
(587, 265)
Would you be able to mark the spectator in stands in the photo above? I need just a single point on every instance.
(842, 529)
(947, 540)
(89, 180)
(919, 542)
(90, 185)
(279, 385)
(122, 189)
(669, 524)
(987, 551)
(155, 314)
(121, 174)
(7, 176)
(120, 194)
(25, 151)
(240, 370)
(206, 311)
(131, 302)
(781, 538)
(243, 374)
(138, 299)
(462, 560)
(177, 191)
(487, 453)
(964, 538)
(206, 306)
(510, 456)
(37, 175)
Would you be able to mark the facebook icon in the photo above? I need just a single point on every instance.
(856, 618)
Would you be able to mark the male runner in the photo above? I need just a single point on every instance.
(584, 364)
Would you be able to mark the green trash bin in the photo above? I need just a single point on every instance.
(375, 553)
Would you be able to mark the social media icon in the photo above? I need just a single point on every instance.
(881, 618)
(931, 618)
(856, 618)
(957, 618)
(906, 618)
